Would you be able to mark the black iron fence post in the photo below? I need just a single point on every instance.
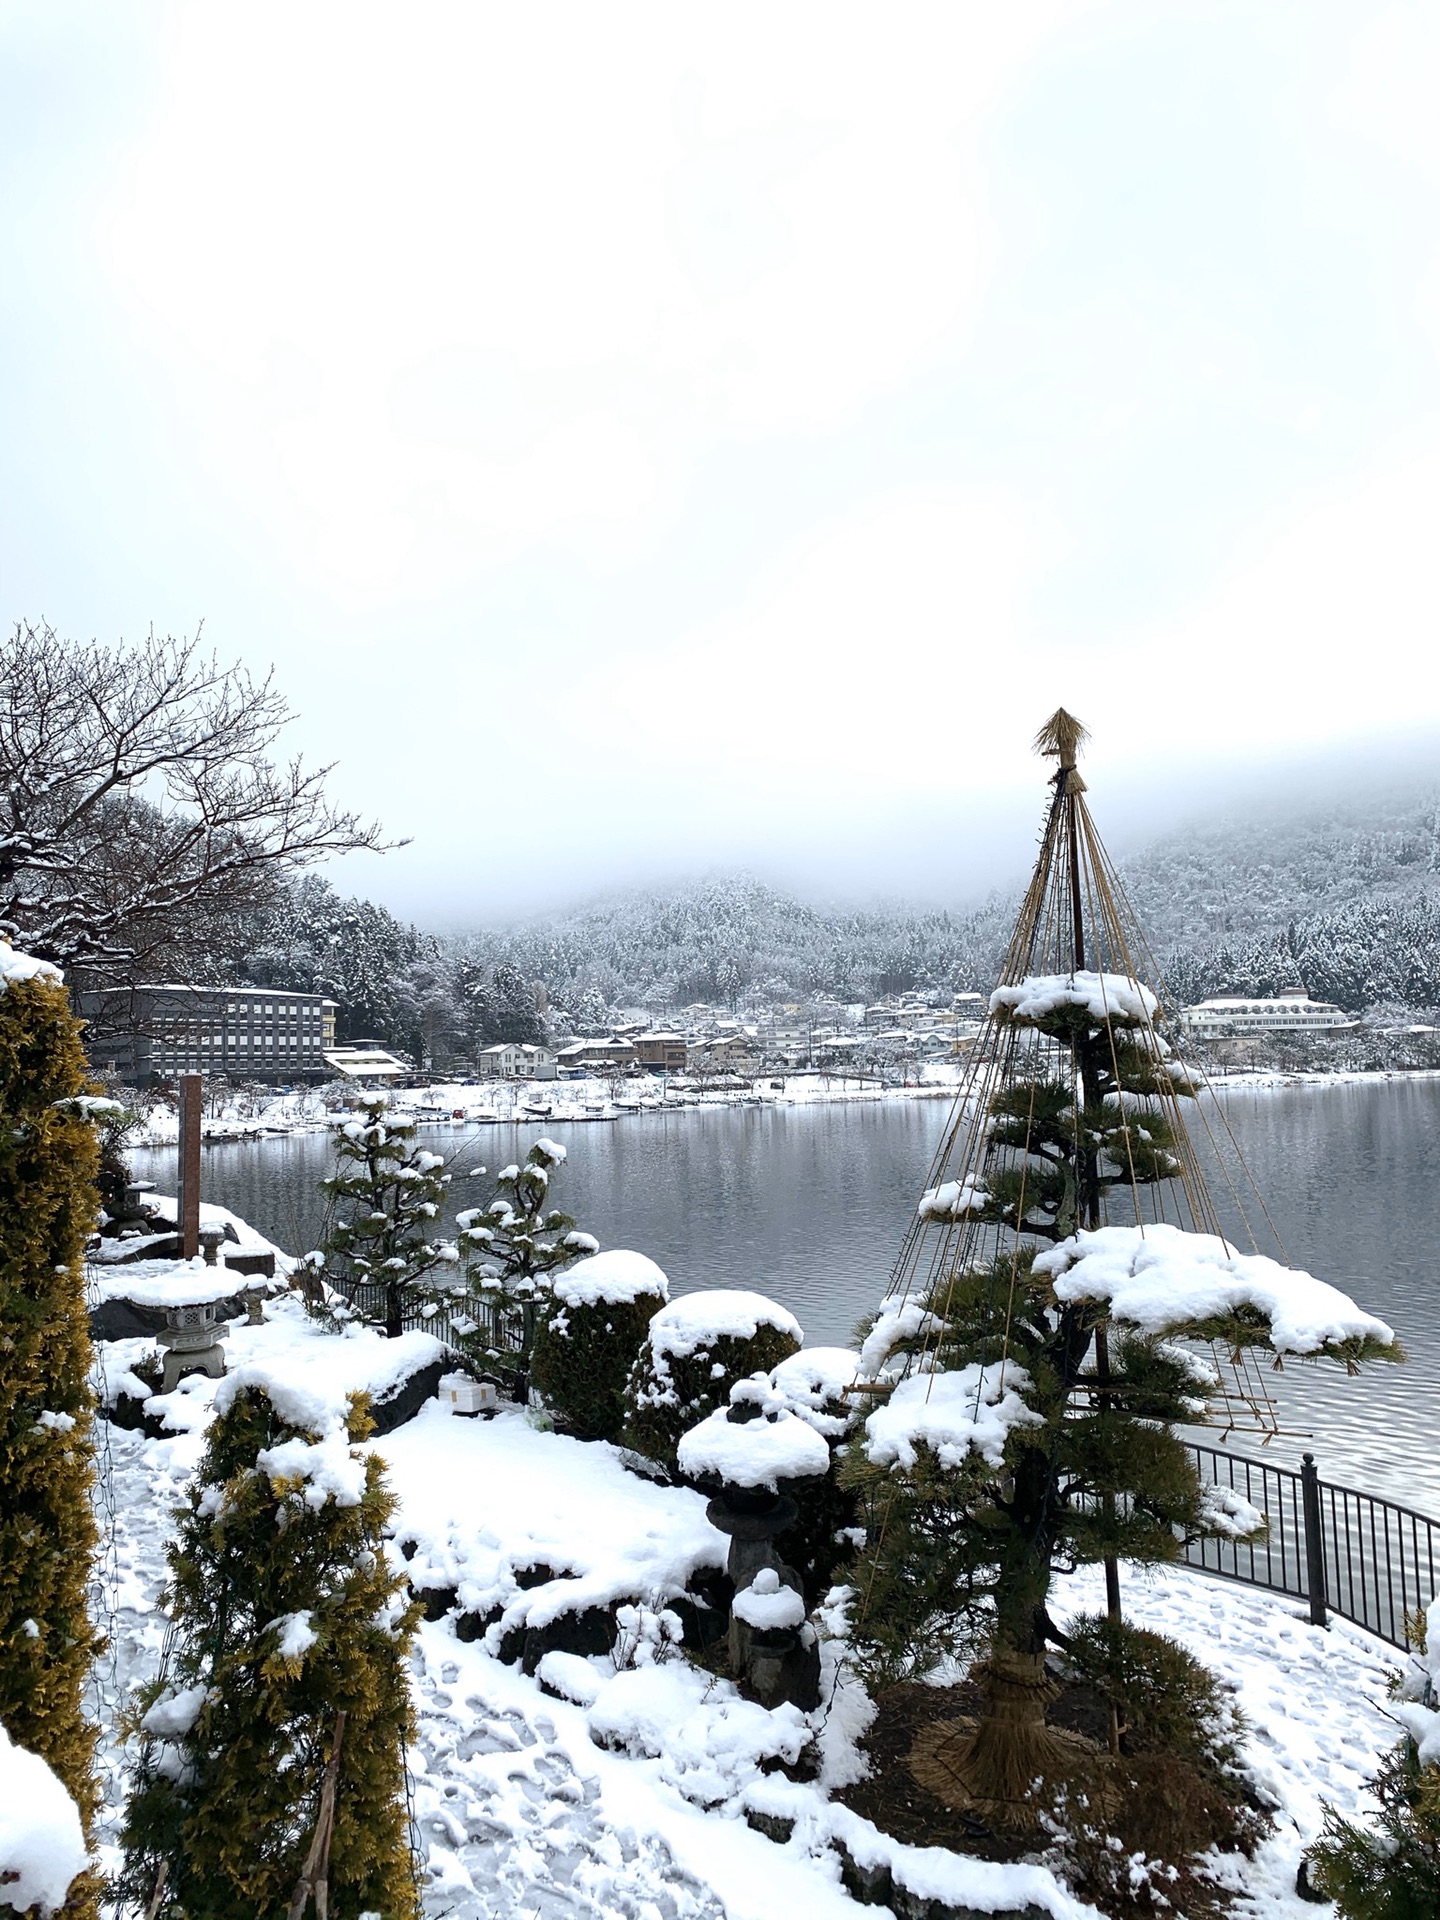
(1314, 1542)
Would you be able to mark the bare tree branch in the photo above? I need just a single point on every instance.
(140, 805)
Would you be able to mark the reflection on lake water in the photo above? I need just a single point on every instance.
(809, 1203)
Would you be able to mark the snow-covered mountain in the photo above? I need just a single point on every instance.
(1343, 895)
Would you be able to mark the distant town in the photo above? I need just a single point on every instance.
(145, 1035)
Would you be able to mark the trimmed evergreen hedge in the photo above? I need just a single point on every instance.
(695, 1350)
(590, 1337)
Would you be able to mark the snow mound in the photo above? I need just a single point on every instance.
(15, 967)
(1160, 1278)
(1112, 997)
(41, 1845)
(705, 1732)
(753, 1453)
(526, 1525)
(767, 1606)
(308, 1374)
(716, 1313)
(615, 1278)
(954, 1414)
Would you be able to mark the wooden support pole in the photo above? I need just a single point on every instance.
(314, 1881)
(189, 1183)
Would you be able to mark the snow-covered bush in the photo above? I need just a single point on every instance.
(382, 1248)
(1392, 1872)
(287, 1614)
(589, 1337)
(695, 1350)
(48, 1205)
(512, 1247)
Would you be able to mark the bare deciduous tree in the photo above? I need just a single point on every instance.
(140, 811)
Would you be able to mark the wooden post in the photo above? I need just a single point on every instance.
(1314, 1542)
(189, 1183)
(314, 1878)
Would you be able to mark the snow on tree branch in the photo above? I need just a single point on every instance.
(1162, 1280)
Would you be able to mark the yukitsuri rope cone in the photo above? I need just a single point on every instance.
(1027, 1382)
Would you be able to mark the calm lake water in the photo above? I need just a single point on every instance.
(809, 1204)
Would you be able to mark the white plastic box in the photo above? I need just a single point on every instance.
(463, 1395)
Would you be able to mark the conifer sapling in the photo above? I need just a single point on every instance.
(287, 1613)
(382, 1250)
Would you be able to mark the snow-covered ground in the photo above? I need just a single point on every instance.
(308, 1109)
(620, 1785)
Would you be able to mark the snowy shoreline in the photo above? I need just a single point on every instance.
(510, 1103)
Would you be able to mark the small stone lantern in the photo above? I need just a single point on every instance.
(752, 1461)
(191, 1339)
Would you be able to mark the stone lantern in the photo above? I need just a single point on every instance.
(191, 1338)
(753, 1457)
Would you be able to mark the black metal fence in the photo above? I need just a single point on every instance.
(1340, 1551)
(484, 1323)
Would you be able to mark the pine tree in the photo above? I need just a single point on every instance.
(48, 1206)
(1034, 1429)
(290, 1633)
(1393, 1873)
(386, 1194)
(514, 1244)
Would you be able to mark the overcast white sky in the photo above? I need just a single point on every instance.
(652, 437)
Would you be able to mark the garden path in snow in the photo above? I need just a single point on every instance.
(520, 1812)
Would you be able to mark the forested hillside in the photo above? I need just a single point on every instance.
(730, 938)
(1342, 896)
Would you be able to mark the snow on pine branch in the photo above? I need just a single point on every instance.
(1162, 1280)
(952, 1200)
(955, 1414)
(1112, 997)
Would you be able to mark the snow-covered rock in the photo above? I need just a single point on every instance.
(42, 1847)
(1159, 1278)
(973, 1410)
(308, 1373)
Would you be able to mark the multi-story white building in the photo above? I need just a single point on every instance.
(1229, 1015)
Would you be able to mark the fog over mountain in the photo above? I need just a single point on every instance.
(1342, 892)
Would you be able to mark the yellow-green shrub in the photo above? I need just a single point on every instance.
(48, 1204)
